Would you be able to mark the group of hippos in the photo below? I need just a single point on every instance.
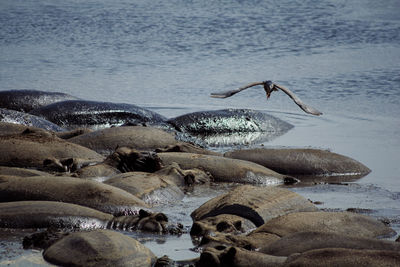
(83, 172)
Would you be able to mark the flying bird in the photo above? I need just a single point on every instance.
(269, 87)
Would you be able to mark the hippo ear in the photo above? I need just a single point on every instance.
(161, 217)
(143, 214)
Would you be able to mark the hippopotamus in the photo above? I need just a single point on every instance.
(123, 159)
(302, 161)
(60, 215)
(257, 204)
(107, 140)
(303, 241)
(345, 223)
(21, 172)
(21, 118)
(38, 149)
(25, 100)
(237, 257)
(152, 188)
(83, 192)
(225, 169)
(230, 126)
(330, 257)
(98, 115)
(99, 248)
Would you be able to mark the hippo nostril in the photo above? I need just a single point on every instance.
(222, 226)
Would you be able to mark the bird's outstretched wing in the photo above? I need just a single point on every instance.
(298, 101)
(232, 92)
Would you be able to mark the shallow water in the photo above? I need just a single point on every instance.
(341, 57)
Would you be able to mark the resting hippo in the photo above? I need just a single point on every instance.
(20, 118)
(83, 192)
(152, 188)
(257, 204)
(34, 149)
(21, 172)
(230, 126)
(302, 161)
(107, 140)
(98, 115)
(304, 241)
(26, 100)
(237, 257)
(99, 248)
(331, 257)
(44, 214)
(227, 170)
(344, 223)
(122, 160)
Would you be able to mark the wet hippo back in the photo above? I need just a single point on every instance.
(26, 100)
(231, 126)
(97, 115)
(21, 118)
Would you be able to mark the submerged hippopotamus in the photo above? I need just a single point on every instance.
(303, 241)
(99, 248)
(40, 150)
(27, 100)
(98, 115)
(142, 138)
(20, 118)
(83, 192)
(150, 187)
(303, 161)
(230, 126)
(60, 215)
(257, 204)
(345, 223)
(224, 169)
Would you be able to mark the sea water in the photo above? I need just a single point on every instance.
(341, 57)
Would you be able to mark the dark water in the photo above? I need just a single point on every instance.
(342, 57)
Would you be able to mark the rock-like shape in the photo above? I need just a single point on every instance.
(226, 170)
(25, 100)
(184, 178)
(237, 257)
(231, 126)
(249, 242)
(25, 119)
(60, 215)
(152, 188)
(99, 248)
(257, 204)
(42, 214)
(304, 241)
(83, 192)
(142, 138)
(344, 223)
(101, 171)
(30, 150)
(302, 161)
(223, 223)
(330, 257)
(21, 172)
(97, 115)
